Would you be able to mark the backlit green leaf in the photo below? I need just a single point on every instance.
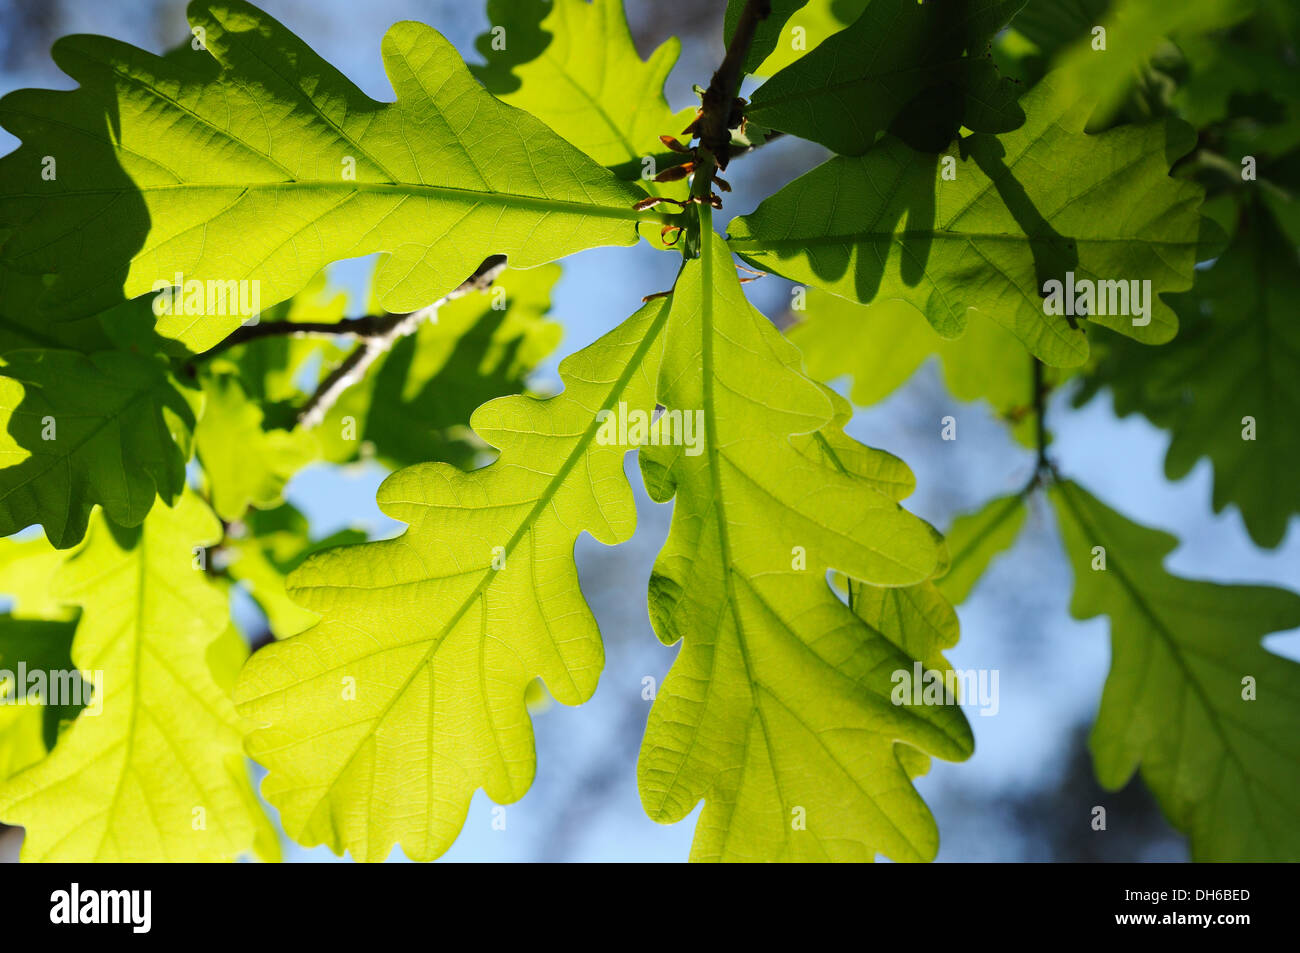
(1192, 699)
(109, 428)
(1228, 387)
(847, 91)
(777, 710)
(152, 770)
(881, 345)
(587, 81)
(889, 225)
(414, 681)
(274, 165)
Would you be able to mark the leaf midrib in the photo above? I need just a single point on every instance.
(715, 484)
(405, 189)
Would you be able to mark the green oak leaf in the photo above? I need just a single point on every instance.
(769, 32)
(40, 645)
(975, 540)
(1228, 387)
(192, 177)
(1052, 25)
(109, 428)
(889, 225)
(428, 642)
(881, 345)
(152, 769)
(1134, 31)
(414, 682)
(847, 91)
(587, 81)
(246, 463)
(22, 327)
(805, 29)
(777, 710)
(1192, 698)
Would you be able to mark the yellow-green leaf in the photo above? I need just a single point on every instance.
(251, 159)
(246, 463)
(414, 682)
(777, 710)
(152, 769)
(586, 81)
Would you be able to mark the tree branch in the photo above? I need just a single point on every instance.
(720, 111)
(383, 331)
(368, 326)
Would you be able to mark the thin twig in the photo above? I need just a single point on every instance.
(368, 326)
(1040, 418)
(329, 390)
(720, 112)
(1044, 468)
(374, 344)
